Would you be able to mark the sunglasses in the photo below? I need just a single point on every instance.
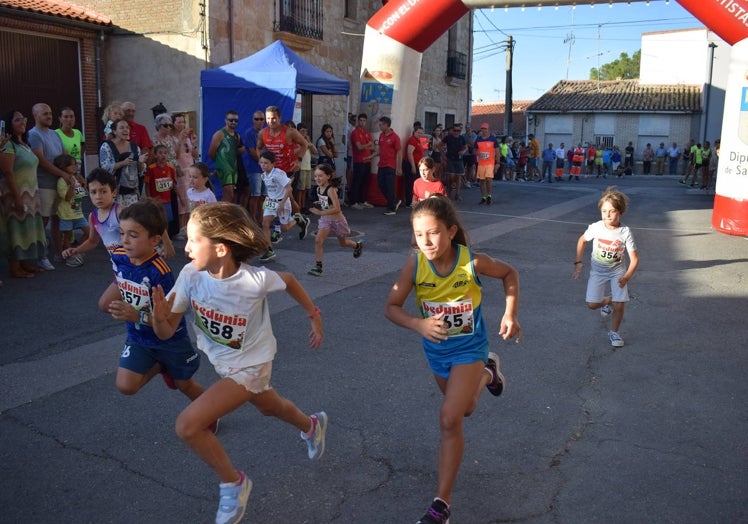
(167, 125)
(233, 120)
(258, 119)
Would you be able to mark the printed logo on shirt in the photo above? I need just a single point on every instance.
(457, 315)
(137, 295)
(226, 329)
(608, 251)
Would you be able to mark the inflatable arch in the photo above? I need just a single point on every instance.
(398, 34)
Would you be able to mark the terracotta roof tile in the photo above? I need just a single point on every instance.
(58, 8)
(619, 96)
(493, 114)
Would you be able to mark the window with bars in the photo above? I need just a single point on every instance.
(605, 141)
(299, 17)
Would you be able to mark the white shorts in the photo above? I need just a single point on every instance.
(270, 209)
(598, 284)
(255, 379)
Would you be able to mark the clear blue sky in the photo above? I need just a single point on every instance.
(600, 35)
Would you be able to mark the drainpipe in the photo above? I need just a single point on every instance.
(231, 31)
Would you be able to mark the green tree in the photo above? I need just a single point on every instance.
(624, 67)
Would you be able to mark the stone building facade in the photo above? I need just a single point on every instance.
(157, 49)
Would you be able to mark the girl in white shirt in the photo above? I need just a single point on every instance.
(228, 299)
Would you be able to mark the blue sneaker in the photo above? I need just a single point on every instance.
(233, 500)
(615, 339)
(316, 443)
(606, 310)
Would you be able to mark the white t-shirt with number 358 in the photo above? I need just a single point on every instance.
(231, 315)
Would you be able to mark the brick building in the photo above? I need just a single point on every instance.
(50, 52)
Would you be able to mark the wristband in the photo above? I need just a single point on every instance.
(314, 313)
(577, 262)
(143, 317)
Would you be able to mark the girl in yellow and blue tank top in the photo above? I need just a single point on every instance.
(446, 273)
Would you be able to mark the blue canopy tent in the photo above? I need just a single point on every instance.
(272, 76)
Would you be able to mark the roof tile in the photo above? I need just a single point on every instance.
(618, 95)
(58, 8)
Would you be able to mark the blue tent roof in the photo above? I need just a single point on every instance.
(276, 66)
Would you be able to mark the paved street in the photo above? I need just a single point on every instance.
(652, 432)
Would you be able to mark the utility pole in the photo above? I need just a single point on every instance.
(508, 121)
(569, 40)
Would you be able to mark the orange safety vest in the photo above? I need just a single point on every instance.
(578, 155)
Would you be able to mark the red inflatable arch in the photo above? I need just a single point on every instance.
(416, 24)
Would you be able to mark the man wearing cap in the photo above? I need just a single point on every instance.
(487, 153)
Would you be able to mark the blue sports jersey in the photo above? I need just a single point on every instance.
(135, 283)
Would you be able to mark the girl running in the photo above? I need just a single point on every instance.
(445, 273)
(228, 298)
(331, 219)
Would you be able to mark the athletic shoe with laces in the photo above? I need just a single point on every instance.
(358, 249)
(45, 264)
(316, 442)
(615, 339)
(368, 205)
(498, 383)
(74, 261)
(275, 236)
(315, 271)
(606, 310)
(267, 255)
(390, 212)
(303, 223)
(233, 500)
(438, 513)
(357, 206)
(397, 205)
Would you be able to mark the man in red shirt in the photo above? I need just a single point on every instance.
(390, 162)
(286, 142)
(362, 148)
(138, 133)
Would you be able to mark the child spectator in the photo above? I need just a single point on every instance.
(304, 184)
(138, 270)
(278, 203)
(427, 184)
(160, 179)
(610, 240)
(199, 192)
(447, 277)
(238, 339)
(70, 206)
(331, 218)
